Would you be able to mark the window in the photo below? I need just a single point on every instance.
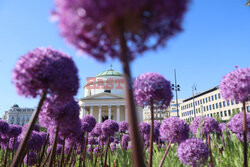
(213, 107)
(204, 108)
(207, 108)
(211, 115)
(215, 96)
(232, 102)
(210, 107)
(229, 112)
(191, 104)
(201, 101)
(216, 105)
(192, 112)
(219, 95)
(228, 103)
(212, 98)
(224, 104)
(107, 91)
(225, 113)
(218, 114)
(221, 114)
(248, 109)
(209, 98)
(220, 104)
(199, 110)
(206, 99)
(198, 102)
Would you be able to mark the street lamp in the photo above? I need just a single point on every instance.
(176, 88)
(193, 90)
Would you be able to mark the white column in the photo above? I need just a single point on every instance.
(109, 110)
(91, 110)
(100, 114)
(118, 113)
(126, 114)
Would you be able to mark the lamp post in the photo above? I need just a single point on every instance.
(193, 90)
(176, 88)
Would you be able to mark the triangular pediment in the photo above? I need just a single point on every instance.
(101, 96)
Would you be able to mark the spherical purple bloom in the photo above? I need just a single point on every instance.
(144, 128)
(236, 85)
(85, 127)
(30, 159)
(124, 142)
(236, 125)
(155, 86)
(93, 26)
(4, 128)
(109, 127)
(46, 69)
(193, 152)
(35, 128)
(14, 130)
(90, 120)
(97, 131)
(123, 126)
(35, 141)
(14, 143)
(174, 129)
(205, 125)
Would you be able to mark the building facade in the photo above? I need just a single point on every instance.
(210, 103)
(104, 97)
(17, 115)
(159, 114)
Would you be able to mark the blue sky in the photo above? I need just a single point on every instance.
(216, 37)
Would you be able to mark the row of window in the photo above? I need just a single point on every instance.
(187, 113)
(216, 105)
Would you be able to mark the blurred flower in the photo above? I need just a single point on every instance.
(109, 127)
(30, 158)
(90, 120)
(123, 126)
(193, 152)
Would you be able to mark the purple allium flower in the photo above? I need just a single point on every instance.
(97, 131)
(124, 142)
(109, 127)
(222, 126)
(4, 128)
(85, 127)
(193, 152)
(14, 143)
(30, 159)
(236, 124)
(155, 86)
(35, 128)
(157, 124)
(14, 130)
(92, 140)
(123, 126)
(205, 125)
(144, 128)
(236, 85)
(93, 26)
(174, 129)
(46, 69)
(90, 120)
(35, 141)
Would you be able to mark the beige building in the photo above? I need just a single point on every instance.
(159, 114)
(104, 97)
(210, 103)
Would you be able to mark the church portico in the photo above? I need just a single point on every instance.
(105, 102)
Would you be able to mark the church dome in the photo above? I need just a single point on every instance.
(109, 72)
(15, 105)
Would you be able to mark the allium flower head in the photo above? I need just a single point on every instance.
(85, 127)
(109, 127)
(155, 86)
(193, 152)
(14, 130)
(144, 128)
(236, 124)
(90, 120)
(93, 26)
(157, 124)
(205, 125)
(35, 141)
(236, 85)
(35, 128)
(4, 128)
(46, 69)
(30, 158)
(97, 131)
(123, 126)
(174, 129)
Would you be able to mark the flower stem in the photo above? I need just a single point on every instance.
(151, 133)
(209, 150)
(43, 150)
(244, 134)
(165, 154)
(21, 148)
(85, 148)
(137, 149)
(106, 152)
(62, 154)
(54, 147)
